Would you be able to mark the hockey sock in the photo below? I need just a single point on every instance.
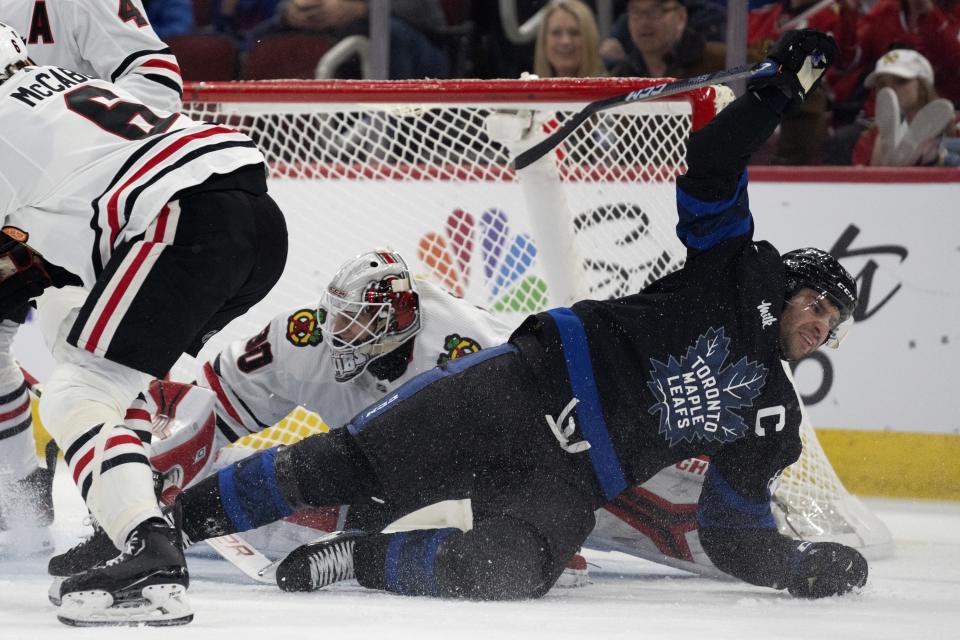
(401, 562)
(242, 496)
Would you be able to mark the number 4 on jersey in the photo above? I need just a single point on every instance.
(129, 11)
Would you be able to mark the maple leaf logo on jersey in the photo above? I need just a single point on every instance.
(697, 395)
(505, 258)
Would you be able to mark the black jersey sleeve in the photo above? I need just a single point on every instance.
(740, 536)
(712, 198)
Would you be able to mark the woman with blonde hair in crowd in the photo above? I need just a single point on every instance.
(568, 43)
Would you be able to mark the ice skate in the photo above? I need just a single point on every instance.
(145, 585)
(94, 550)
(319, 564)
(575, 574)
(26, 513)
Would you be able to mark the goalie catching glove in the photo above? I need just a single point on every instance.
(804, 56)
(24, 274)
(823, 569)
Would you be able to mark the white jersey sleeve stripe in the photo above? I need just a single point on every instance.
(162, 64)
(162, 56)
(213, 382)
(136, 182)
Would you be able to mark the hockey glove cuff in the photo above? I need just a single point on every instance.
(823, 569)
(24, 274)
(804, 56)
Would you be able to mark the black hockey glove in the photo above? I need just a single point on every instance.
(804, 56)
(823, 569)
(24, 274)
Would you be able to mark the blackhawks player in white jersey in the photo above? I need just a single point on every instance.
(301, 359)
(108, 39)
(132, 203)
(112, 40)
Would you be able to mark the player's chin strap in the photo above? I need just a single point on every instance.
(563, 434)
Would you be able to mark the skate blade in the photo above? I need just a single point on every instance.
(573, 579)
(161, 605)
(53, 593)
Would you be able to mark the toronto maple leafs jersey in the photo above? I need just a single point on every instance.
(108, 39)
(84, 166)
(260, 379)
(692, 364)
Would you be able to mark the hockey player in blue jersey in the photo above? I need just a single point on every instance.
(583, 402)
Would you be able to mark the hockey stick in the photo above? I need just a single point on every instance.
(765, 69)
(245, 557)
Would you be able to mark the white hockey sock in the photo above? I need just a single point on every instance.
(18, 456)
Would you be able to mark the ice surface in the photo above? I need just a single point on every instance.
(915, 595)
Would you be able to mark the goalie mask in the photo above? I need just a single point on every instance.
(370, 308)
(13, 52)
(818, 270)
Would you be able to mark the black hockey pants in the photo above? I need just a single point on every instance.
(474, 428)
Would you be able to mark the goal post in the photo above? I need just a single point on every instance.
(357, 165)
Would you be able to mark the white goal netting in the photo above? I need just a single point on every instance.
(412, 165)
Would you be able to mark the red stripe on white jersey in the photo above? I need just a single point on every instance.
(214, 381)
(113, 210)
(157, 63)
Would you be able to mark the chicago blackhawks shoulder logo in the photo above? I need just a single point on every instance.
(303, 328)
(696, 395)
(456, 346)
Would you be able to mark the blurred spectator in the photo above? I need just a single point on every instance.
(243, 19)
(803, 130)
(917, 24)
(568, 45)
(911, 122)
(704, 17)
(767, 23)
(170, 17)
(412, 53)
(496, 56)
(661, 44)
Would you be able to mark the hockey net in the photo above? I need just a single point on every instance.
(420, 167)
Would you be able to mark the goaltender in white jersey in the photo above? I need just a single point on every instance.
(110, 39)
(302, 359)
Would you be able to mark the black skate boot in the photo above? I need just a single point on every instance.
(92, 551)
(145, 585)
(320, 563)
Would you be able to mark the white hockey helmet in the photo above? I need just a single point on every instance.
(370, 308)
(13, 51)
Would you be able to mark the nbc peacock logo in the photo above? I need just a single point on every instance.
(504, 259)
